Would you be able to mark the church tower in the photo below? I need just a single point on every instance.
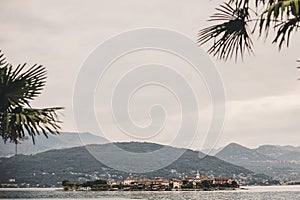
(197, 174)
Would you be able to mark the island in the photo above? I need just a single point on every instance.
(158, 184)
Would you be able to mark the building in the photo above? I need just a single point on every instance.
(177, 183)
(128, 181)
(187, 183)
(222, 181)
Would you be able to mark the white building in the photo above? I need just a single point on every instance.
(128, 181)
(177, 183)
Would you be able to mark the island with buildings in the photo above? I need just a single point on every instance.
(196, 183)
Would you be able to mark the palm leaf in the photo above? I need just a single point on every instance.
(17, 88)
(231, 36)
(22, 121)
(283, 16)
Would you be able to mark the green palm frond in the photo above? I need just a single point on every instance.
(283, 16)
(21, 121)
(298, 61)
(17, 88)
(285, 30)
(231, 36)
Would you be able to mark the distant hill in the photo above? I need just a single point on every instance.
(76, 164)
(211, 152)
(280, 162)
(284, 153)
(63, 140)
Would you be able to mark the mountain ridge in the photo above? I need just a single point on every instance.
(42, 144)
(280, 162)
(48, 169)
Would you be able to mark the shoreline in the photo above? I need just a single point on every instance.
(241, 189)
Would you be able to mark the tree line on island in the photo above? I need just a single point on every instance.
(157, 184)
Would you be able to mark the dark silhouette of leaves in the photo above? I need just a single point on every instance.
(18, 87)
(230, 36)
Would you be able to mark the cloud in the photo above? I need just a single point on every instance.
(262, 91)
(265, 120)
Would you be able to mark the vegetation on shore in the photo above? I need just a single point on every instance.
(49, 168)
(158, 184)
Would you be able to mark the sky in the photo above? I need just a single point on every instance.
(262, 91)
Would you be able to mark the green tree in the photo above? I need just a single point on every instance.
(234, 184)
(18, 87)
(65, 182)
(95, 182)
(237, 21)
(206, 183)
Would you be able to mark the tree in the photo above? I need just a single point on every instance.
(232, 34)
(206, 184)
(18, 87)
(234, 184)
(65, 182)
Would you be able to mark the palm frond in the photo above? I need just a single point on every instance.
(231, 36)
(283, 16)
(285, 30)
(21, 121)
(17, 88)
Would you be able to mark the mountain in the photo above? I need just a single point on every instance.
(49, 168)
(235, 151)
(283, 153)
(212, 152)
(281, 163)
(63, 140)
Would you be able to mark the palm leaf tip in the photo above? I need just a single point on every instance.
(284, 17)
(230, 37)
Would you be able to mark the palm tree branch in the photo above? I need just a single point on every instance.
(231, 35)
(30, 121)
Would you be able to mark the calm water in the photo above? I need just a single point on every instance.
(255, 193)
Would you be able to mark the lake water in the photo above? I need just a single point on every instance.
(251, 193)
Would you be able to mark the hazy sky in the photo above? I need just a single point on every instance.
(263, 95)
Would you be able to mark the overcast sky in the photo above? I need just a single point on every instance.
(262, 92)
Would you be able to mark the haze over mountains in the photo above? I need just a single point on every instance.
(280, 162)
(289, 153)
(63, 140)
(77, 164)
